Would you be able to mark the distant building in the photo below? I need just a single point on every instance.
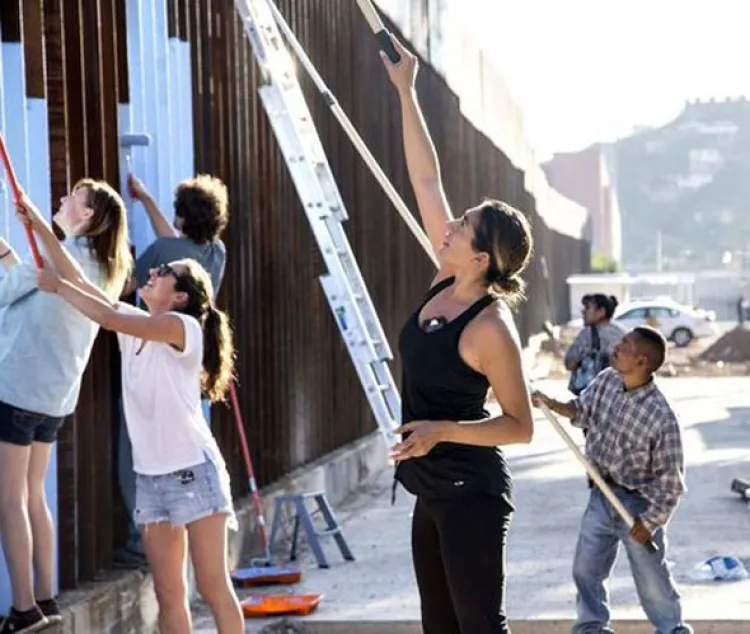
(588, 178)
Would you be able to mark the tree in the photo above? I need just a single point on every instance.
(601, 263)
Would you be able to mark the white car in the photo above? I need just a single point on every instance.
(677, 322)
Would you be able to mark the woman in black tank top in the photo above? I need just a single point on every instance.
(459, 343)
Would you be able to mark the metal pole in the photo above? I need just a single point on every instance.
(354, 137)
(598, 480)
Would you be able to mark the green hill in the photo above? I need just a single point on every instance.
(690, 180)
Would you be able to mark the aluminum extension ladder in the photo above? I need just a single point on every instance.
(300, 145)
(348, 298)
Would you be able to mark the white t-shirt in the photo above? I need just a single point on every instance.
(162, 401)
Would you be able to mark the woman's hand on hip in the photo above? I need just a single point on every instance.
(423, 436)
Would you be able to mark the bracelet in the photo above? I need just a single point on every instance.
(6, 254)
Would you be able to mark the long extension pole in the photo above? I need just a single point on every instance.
(354, 137)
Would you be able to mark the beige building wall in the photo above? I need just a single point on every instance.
(585, 178)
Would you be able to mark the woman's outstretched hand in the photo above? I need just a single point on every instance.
(27, 212)
(404, 73)
(47, 280)
(136, 188)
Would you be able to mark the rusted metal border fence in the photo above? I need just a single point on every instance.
(300, 395)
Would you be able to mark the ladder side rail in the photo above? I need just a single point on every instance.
(312, 199)
(374, 390)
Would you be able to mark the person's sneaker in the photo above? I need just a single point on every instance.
(50, 609)
(29, 621)
(130, 559)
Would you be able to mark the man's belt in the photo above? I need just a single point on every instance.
(609, 480)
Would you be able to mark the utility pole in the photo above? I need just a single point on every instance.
(659, 254)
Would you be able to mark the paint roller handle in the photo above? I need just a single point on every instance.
(386, 45)
(378, 28)
(12, 180)
(17, 199)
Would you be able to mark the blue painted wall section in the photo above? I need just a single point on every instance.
(16, 133)
(160, 107)
(4, 197)
(25, 129)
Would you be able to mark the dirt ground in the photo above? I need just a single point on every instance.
(725, 355)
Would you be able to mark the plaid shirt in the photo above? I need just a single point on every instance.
(634, 438)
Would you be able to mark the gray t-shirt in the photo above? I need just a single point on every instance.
(212, 256)
(609, 335)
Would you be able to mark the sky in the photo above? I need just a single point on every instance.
(592, 70)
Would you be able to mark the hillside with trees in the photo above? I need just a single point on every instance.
(689, 180)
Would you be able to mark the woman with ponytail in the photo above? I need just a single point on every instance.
(182, 347)
(459, 342)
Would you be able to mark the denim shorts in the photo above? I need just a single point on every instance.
(184, 496)
(19, 427)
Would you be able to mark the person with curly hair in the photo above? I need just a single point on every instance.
(201, 213)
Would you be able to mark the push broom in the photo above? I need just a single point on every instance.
(261, 570)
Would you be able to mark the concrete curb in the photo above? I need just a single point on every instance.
(124, 602)
(518, 627)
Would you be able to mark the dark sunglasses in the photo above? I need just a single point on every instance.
(166, 269)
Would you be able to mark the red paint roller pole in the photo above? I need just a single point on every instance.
(17, 198)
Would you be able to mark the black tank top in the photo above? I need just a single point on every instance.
(438, 385)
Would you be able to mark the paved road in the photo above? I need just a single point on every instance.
(550, 495)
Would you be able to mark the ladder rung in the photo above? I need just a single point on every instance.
(382, 387)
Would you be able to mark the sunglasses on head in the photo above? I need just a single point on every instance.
(166, 269)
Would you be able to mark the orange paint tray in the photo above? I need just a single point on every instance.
(280, 604)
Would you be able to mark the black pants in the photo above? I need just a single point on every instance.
(458, 546)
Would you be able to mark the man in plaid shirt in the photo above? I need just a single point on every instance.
(634, 441)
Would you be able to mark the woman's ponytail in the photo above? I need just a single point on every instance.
(218, 354)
